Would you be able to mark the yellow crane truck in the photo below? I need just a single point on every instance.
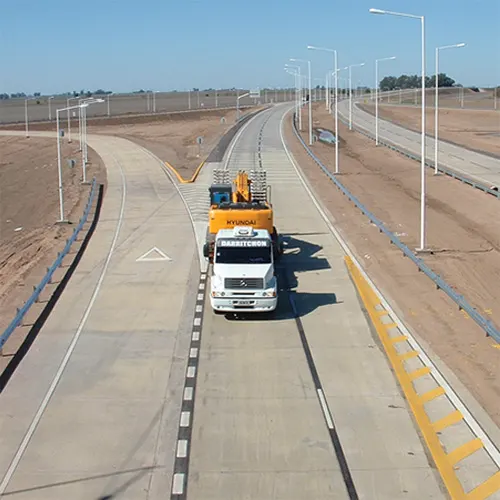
(244, 201)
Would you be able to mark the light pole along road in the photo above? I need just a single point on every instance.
(59, 167)
(377, 85)
(310, 97)
(422, 164)
(238, 104)
(335, 70)
(436, 105)
(299, 91)
(297, 97)
(350, 90)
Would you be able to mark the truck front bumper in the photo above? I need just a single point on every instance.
(244, 304)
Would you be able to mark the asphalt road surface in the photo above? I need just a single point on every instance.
(481, 167)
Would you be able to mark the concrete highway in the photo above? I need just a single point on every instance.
(483, 168)
(300, 405)
(277, 397)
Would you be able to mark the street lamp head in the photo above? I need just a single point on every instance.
(391, 58)
(84, 105)
(377, 11)
(461, 45)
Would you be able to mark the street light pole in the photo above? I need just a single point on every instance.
(238, 104)
(299, 91)
(350, 91)
(376, 94)
(26, 116)
(310, 96)
(59, 166)
(336, 96)
(436, 104)
(50, 108)
(69, 118)
(422, 162)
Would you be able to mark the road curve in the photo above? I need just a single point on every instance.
(92, 410)
(481, 167)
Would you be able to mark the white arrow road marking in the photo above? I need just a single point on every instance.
(148, 258)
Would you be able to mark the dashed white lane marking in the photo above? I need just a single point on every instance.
(199, 309)
(185, 419)
(178, 484)
(197, 322)
(191, 372)
(193, 353)
(182, 448)
(196, 336)
(188, 393)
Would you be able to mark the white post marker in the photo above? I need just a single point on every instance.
(436, 104)
(422, 162)
(377, 86)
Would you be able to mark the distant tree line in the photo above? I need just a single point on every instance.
(415, 82)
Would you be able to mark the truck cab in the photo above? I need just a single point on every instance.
(244, 277)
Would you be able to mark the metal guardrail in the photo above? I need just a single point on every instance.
(428, 163)
(50, 271)
(459, 299)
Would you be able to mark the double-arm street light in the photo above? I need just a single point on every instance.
(350, 91)
(436, 104)
(310, 97)
(422, 164)
(336, 97)
(69, 116)
(298, 92)
(377, 85)
(83, 131)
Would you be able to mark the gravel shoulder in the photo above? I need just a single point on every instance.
(478, 130)
(462, 230)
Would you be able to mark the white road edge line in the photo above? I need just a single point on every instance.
(43, 406)
(440, 379)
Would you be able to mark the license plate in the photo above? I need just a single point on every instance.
(244, 302)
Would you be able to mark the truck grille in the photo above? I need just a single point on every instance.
(244, 283)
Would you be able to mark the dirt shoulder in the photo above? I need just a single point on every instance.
(29, 210)
(460, 228)
(478, 130)
(173, 138)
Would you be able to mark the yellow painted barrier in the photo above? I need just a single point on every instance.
(179, 176)
(445, 462)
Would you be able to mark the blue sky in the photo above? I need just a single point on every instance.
(54, 46)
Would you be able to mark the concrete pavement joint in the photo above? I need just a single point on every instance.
(443, 387)
(181, 464)
(45, 402)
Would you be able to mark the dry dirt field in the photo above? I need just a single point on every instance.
(29, 202)
(462, 229)
(173, 137)
(474, 129)
(29, 209)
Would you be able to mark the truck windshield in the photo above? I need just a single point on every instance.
(238, 255)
